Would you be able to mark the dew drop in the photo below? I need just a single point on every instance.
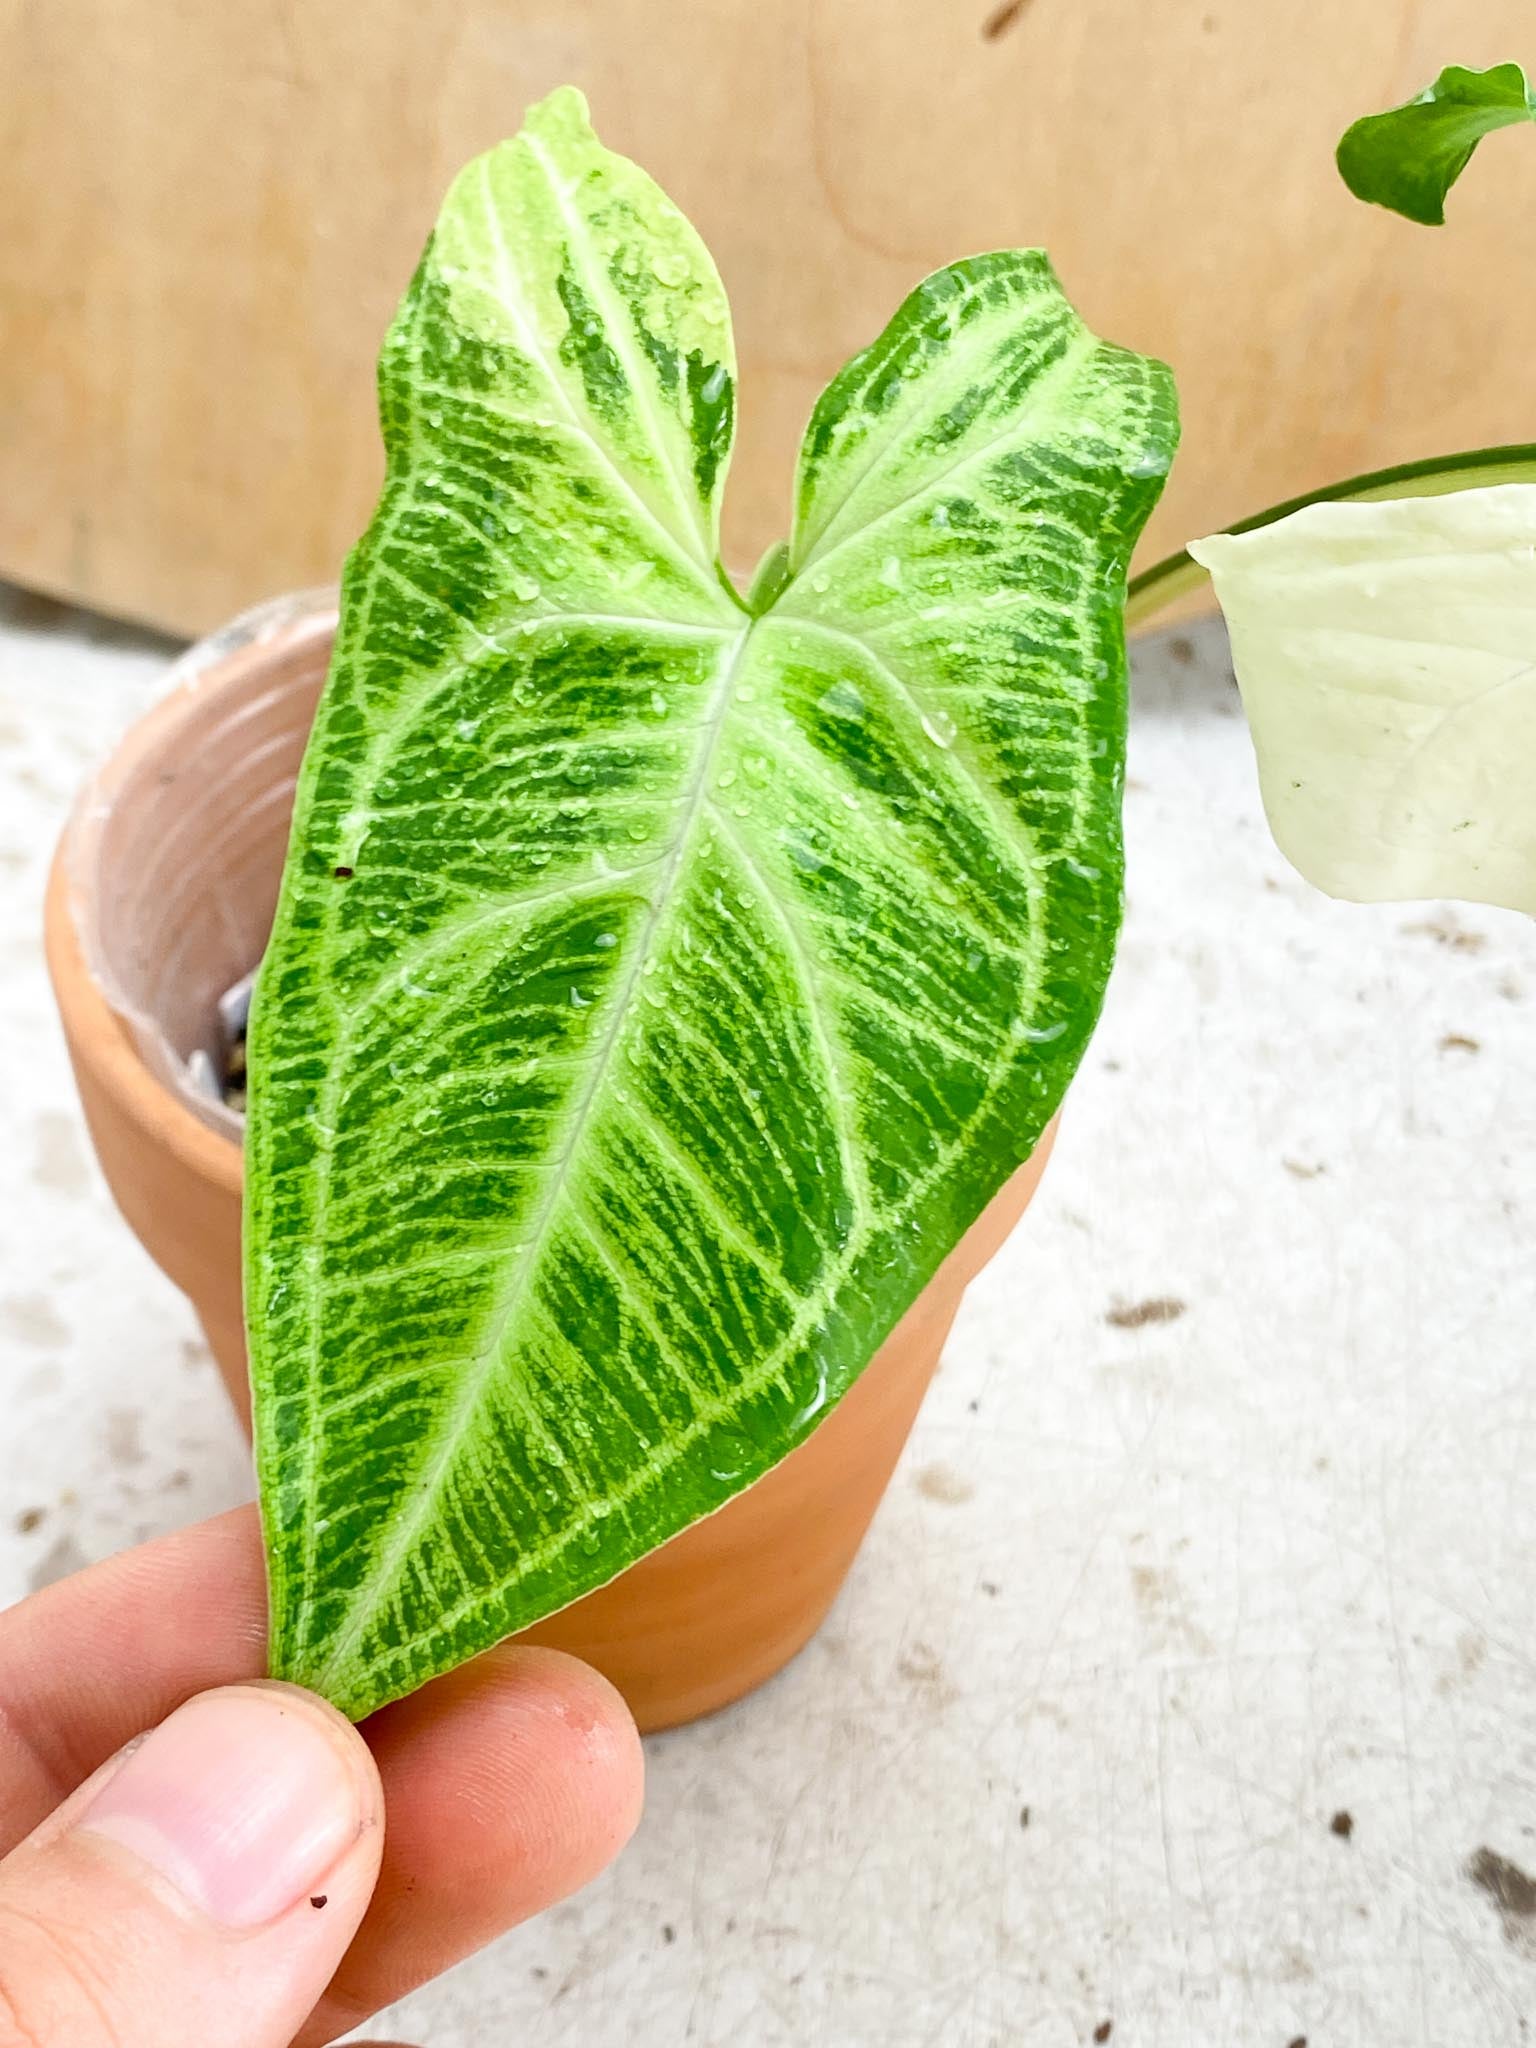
(756, 767)
(939, 727)
(811, 1408)
(730, 1453)
(606, 940)
(523, 586)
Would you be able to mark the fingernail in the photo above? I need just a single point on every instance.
(242, 1800)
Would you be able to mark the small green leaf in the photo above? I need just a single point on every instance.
(698, 976)
(1387, 659)
(1410, 157)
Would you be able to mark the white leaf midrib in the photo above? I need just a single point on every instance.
(448, 1439)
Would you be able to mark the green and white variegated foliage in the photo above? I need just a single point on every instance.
(1387, 659)
(659, 990)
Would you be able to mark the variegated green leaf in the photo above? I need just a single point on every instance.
(1387, 658)
(660, 987)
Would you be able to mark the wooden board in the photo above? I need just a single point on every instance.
(208, 213)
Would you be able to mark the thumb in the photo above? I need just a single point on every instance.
(201, 1887)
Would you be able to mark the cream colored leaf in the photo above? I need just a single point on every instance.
(1386, 654)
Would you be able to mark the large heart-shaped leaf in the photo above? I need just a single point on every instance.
(660, 988)
(1387, 658)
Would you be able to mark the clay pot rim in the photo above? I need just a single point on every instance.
(106, 1043)
(99, 1034)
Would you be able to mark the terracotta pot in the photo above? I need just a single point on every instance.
(160, 899)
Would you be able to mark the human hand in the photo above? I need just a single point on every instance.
(229, 1879)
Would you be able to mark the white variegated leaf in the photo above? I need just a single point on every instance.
(1386, 653)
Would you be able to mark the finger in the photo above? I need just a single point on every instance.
(203, 1886)
(93, 1661)
(499, 1800)
(510, 1783)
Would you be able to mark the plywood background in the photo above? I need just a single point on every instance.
(207, 212)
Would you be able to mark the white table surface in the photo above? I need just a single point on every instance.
(1179, 1592)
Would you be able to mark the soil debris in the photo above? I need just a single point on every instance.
(942, 1483)
(1445, 931)
(1512, 1890)
(1136, 1315)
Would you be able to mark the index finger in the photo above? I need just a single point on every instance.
(89, 1663)
(507, 1783)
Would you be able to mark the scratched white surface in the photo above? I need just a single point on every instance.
(1147, 1606)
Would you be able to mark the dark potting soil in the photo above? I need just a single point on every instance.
(229, 1058)
(232, 1080)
